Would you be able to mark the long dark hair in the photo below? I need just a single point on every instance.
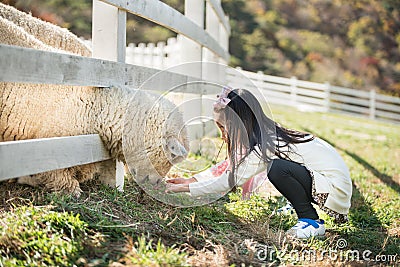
(248, 128)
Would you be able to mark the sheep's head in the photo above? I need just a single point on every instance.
(174, 135)
(174, 141)
(157, 141)
(174, 149)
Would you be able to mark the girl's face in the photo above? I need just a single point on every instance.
(224, 134)
(220, 121)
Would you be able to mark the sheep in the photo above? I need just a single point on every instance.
(151, 127)
(49, 34)
(7, 30)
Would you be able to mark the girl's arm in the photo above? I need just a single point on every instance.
(210, 173)
(251, 166)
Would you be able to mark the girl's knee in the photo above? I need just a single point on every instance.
(277, 169)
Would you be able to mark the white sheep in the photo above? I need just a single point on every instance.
(49, 34)
(154, 133)
(7, 32)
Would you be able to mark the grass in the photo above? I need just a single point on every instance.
(109, 228)
(32, 236)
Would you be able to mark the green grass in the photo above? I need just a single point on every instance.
(32, 236)
(106, 227)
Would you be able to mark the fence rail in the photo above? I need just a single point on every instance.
(321, 97)
(47, 154)
(34, 66)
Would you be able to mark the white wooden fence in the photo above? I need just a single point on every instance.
(162, 55)
(305, 95)
(107, 67)
(322, 97)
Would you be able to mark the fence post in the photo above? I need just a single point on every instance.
(191, 52)
(372, 104)
(293, 90)
(160, 55)
(140, 49)
(130, 54)
(108, 32)
(109, 42)
(327, 96)
(149, 55)
(212, 71)
(224, 41)
(170, 52)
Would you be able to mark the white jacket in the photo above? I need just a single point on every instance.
(331, 174)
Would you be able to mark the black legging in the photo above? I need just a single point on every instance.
(294, 182)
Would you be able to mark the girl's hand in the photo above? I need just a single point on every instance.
(177, 185)
(181, 180)
(176, 188)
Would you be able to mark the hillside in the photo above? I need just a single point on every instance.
(347, 43)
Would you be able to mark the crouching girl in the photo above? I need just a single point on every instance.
(305, 169)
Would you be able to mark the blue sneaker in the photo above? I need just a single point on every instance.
(306, 228)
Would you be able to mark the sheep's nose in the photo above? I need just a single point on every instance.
(177, 159)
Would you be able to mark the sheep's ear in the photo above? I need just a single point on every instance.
(176, 147)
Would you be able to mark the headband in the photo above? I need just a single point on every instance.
(223, 99)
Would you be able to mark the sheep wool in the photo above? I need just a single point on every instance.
(152, 128)
(47, 33)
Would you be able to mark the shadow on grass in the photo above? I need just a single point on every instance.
(388, 180)
(369, 232)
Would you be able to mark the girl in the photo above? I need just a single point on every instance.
(303, 168)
